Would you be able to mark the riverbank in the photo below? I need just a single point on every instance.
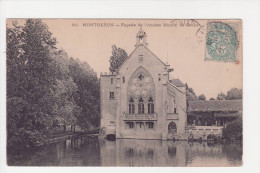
(65, 136)
(217, 139)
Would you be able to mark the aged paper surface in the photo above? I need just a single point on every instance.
(114, 92)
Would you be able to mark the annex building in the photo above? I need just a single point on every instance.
(206, 117)
(139, 100)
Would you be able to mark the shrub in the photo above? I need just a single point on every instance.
(234, 130)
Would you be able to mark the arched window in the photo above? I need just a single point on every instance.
(131, 106)
(172, 128)
(150, 106)
(141, 106)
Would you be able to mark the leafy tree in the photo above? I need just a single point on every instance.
(190, 94)
(118, 57)
(202, 97)
(212, 98)
(234, 94)
(29, 79)
(221, 96)
(87, 96)
(63, 90)
(234, 130)
(45, 89)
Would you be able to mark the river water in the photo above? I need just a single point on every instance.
(90, 151)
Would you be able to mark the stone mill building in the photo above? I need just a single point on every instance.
(139, 100)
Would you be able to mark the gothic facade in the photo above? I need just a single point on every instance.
(139, 100)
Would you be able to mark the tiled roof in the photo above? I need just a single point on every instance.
(215, 105)
(177, 82)
(234, 114)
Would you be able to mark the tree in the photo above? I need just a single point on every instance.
(221, 96)
(190, 94)
(63, 90)
(234, 94)
(234, 130)
(87, 96)
(202, 97)
(43, 89)
(29, 80)
(46, 89)
(118, 57)
(211, 98)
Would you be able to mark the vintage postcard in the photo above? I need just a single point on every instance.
(124, 92)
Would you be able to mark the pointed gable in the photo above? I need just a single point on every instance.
(148, 52)
(141, 51)
(142, 57)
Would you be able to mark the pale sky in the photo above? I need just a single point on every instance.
(181, 45)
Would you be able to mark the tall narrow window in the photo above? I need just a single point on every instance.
(141, 124)
(141, 106)
(111, 95)
(123, 79)
(150, 125)
(150, 106)
(111, 80)
(175, 108)
(130, 125)
(131, 106)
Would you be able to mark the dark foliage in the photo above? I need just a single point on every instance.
(202, 97)
(44, 91)
(234, 94)
(87, 96)
(221, 96)
(234, 130)
(190, 94)
(118, 57)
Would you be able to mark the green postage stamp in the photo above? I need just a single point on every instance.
(223, 41)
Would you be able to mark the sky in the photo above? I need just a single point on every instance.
(180, 43)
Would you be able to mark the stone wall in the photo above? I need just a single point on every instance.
(107, 104)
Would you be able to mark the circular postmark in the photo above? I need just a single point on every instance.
(221, 42)
(200, 34)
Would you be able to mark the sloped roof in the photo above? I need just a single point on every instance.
(235, 114)
(177, 82)
(135, 50)
(215, 105)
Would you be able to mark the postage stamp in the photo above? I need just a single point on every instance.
(223, 41)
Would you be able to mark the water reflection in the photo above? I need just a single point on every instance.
(86, 151)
